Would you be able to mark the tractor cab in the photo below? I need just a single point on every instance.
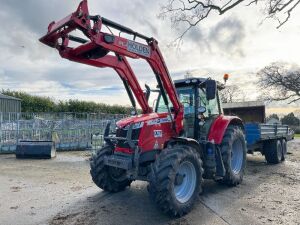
(201, 102)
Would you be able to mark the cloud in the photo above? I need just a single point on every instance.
(199, 37)
(153, 29)
(225, 37)
(228, 36)
(35, 15)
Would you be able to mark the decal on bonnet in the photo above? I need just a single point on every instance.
(159, 121)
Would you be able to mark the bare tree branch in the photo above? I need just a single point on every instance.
(280, 82)
(252, 2)
(288, 14)
(232, 93)
(192, 12)
(295, 100)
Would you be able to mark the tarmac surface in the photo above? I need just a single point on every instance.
(60, 191)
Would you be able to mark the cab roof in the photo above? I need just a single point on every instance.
(194, 81)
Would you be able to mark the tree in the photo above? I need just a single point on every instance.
(275, 116)
(297, 113)
(232, 93)
(192, 12)
(290, 120)
(280, 82)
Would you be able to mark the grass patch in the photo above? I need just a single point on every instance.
(297, 135)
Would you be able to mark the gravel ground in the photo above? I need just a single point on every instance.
(60, 191)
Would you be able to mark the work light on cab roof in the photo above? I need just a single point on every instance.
(226, 77)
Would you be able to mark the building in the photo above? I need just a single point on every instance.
(9, 104)
(253, 111)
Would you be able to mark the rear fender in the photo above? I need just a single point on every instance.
(219, 126)
(186, 141)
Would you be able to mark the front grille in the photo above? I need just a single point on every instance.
(123, 133)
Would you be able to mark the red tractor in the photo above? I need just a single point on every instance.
(184, 140)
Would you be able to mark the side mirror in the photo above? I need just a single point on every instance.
(211, 89)
(201, 109)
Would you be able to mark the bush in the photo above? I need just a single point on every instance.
(32, 103)
(297, 130)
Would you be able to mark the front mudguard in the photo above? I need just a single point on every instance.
(186, 141)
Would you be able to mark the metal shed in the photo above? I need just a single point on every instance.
(9, 104)
(253, 111)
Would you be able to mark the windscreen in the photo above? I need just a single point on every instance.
(187, 98)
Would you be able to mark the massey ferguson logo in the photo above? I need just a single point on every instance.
(157, 133)
(138, 48)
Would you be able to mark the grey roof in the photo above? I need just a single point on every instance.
(194, 80)
(231, 105)
(2, 96)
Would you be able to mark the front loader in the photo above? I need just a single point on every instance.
(185, 139)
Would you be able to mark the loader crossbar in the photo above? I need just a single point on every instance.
(122, 28)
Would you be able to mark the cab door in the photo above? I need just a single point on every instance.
(213, 110)
(187, 96)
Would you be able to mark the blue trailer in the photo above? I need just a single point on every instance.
(269, 139)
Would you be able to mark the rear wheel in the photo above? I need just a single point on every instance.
(106, 177)
(176, 180)
(284, 149)
(273, 151)
(234, 151)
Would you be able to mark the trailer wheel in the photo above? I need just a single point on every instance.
(234, 151)
(273, 152)
(284, 149)
(176, 180)
(105, 177)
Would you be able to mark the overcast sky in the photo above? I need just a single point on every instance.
(235, 43)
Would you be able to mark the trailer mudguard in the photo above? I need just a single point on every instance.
(219, 126)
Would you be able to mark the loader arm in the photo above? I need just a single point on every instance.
(95, 51)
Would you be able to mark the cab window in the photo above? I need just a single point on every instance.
(186, 97)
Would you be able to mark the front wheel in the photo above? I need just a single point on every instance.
(108, 178)
(176, 180)
(234, 152)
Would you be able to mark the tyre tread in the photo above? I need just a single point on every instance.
(161, 179)
(100, 172)
(231, 133)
